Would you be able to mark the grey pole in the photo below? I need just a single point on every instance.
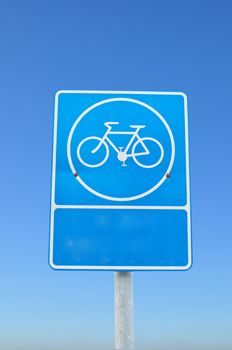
(124, 320)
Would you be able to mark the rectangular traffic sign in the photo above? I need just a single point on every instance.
(120, 181)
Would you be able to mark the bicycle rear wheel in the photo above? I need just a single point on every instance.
(89, 158)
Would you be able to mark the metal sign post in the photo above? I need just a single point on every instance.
(124, 320)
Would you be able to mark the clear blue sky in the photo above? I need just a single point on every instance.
(120, 45)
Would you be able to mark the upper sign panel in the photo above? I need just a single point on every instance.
(121, 149)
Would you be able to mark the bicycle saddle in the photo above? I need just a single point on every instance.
(137, 126)
(111, 123)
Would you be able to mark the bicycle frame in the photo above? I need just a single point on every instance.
(135, 135)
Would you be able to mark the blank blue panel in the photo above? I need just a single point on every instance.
(127, 237)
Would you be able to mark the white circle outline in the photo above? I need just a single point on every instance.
(120, 199)
(152, 165)
(98, 164)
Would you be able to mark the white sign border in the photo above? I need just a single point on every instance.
(54, 206)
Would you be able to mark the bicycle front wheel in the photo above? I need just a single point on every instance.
(154, 155)
(86, 154)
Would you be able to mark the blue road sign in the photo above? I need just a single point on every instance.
(120, 181)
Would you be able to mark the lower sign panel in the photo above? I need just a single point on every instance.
(127, 239)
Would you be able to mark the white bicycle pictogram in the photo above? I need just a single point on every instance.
(122, 155)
